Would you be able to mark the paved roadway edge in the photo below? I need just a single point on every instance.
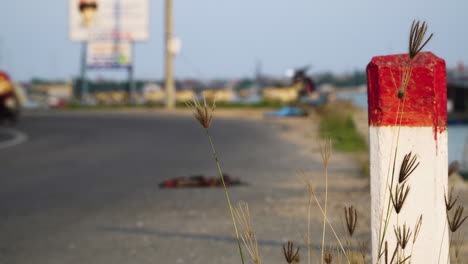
(18, 138)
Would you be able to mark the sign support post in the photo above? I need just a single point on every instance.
(131, 80)
(108, 30)
(408, 151)
(169, 79)
(84, 82)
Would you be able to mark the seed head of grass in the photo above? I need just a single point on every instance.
(408, 165)
(457, 219)
(404, 83)
(242, 214)
(328, 257)
(325, 152)
(416, 40)
(403, 235)
(307, 182)
(399, 197)
(450, 202)
(351, 219)
(417, 228)
(416, 44)
(203, 113)
(289, 253)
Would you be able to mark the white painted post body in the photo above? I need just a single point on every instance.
(415, 123)
(426, 197)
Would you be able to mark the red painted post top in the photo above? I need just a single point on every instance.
(425, 102)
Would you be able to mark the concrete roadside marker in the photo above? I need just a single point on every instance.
(415, 123)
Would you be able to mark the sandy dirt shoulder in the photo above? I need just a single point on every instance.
(347, 184)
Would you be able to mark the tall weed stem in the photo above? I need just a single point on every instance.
(308, 227)
(331, 228)
(215, 156)
(325, 210)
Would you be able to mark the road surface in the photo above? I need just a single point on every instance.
(83, 188)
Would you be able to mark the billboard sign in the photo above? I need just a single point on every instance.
(109, 19)
(109, 54)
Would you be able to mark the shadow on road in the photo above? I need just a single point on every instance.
(194, 236)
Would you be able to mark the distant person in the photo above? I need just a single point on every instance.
(308, 85)
(9, 106)
(88, 10)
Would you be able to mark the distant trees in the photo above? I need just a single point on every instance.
(354, 79)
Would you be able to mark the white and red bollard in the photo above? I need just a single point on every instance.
(422, 130)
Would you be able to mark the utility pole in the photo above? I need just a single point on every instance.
(84, 82)
(169, 79)
(131, 79)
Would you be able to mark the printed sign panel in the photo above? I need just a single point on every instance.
(109, 54)
(109, 19)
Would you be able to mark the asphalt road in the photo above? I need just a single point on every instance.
(84, 187)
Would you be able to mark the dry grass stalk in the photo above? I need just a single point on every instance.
(312, 194)
(414, 48)
(325, 151)
(415, 45)
(403, 235)
(310, 188)
(291, 255)
(247, 235)
(351, 219)
(457, 219)
(417, 228)
(331, 227)
(454, 222)
(203, 113)
(450, 202)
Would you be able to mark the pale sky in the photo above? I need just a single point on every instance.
(223, 38)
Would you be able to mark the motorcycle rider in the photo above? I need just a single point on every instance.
(9, 107)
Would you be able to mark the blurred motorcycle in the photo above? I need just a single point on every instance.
(9, 105)
(307, 84)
